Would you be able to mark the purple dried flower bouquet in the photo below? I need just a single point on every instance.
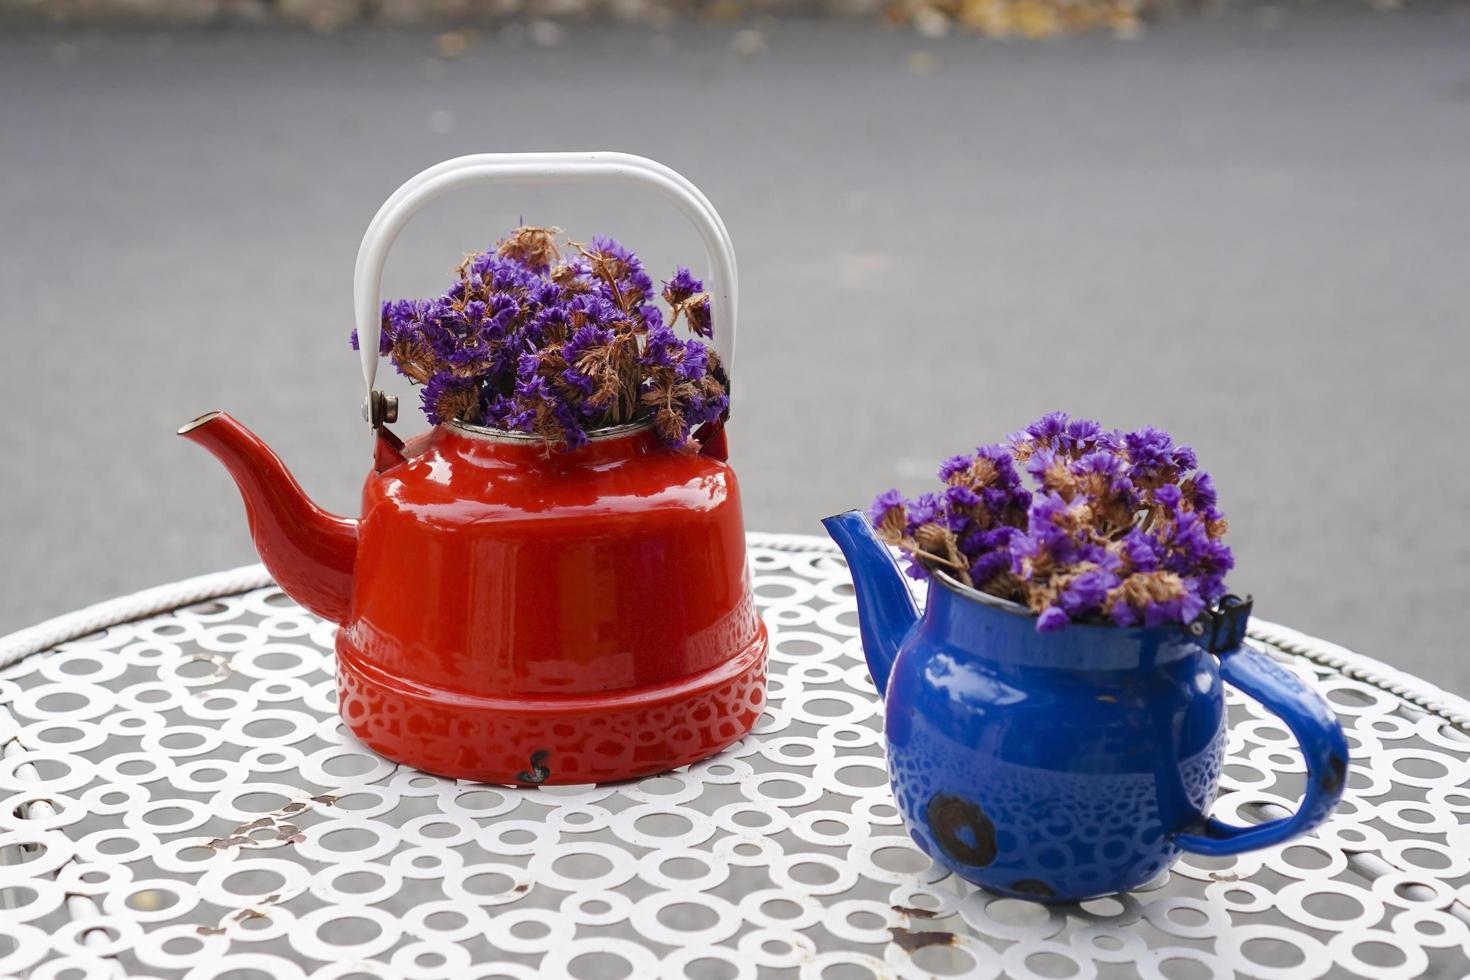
(530, 340)
(1120, 528)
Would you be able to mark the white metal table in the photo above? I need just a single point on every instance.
(177, 798)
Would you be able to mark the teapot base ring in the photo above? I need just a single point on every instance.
(532, 741)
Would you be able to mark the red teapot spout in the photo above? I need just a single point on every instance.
(308, 551)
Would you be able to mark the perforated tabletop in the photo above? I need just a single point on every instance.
(177, 798)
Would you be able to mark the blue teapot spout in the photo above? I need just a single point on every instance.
(886, 610)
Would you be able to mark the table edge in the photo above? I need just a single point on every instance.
(70, 626)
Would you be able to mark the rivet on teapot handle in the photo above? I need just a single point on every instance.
(378, 409)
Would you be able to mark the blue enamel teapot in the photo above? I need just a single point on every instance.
(1069, 765)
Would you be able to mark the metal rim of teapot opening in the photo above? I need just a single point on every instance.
(511, 435)
(1201, 625)
(984, 598)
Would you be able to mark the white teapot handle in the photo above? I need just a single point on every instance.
(540, 168)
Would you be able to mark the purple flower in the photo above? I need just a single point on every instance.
(694, 363)
(591, 310)
(551, 322)
(1047, 428)
(1081, 432)
(1201, 493)
(1039, 462)
(528, 340)
(1151, 456)
(1085, 594)
(586, 339)
(1168, 496)
(622, 268)
(708, 409)
(997, 453)
(989, 565)
(681, 287)
(446, 397)
(543, 293)
(1182, 607)
(1101, 463)
(1121, 528)
(699, 317)
(1051, 620)
(1123, 614)
(661, 349)
(400, 316)
(884, 504)
(954, 466)
(961, 497)
(650, 317)
(1140, 550)
(394, 320)
(924, 509)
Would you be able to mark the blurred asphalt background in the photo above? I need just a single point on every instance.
(1253, 230)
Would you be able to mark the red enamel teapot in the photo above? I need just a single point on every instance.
(513, 615)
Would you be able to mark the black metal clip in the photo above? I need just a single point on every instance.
(1222, 628)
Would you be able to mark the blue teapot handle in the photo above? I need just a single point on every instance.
(1324, 747)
